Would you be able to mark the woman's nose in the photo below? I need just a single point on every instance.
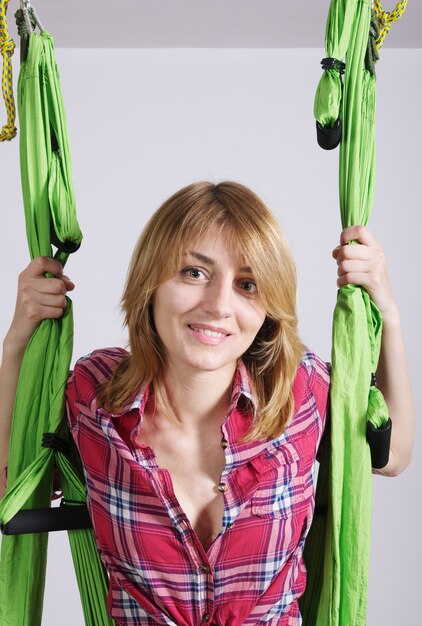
(218, 299)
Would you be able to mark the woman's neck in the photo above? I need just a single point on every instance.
(199, 398)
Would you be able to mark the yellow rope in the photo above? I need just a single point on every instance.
(7, 47)
(386, 18)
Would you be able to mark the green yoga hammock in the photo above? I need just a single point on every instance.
(337, 547)
(39, 406)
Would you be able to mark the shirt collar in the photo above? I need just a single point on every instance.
(242, 387)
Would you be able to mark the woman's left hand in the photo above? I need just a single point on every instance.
(364, 264)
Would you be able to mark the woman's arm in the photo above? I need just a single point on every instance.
(365, 265)
(38, 298)
(393, 380)
(9, 374)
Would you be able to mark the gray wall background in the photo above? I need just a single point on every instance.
(144, 123)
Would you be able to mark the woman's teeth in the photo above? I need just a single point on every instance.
(210, 333)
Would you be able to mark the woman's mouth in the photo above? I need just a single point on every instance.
(208, 335)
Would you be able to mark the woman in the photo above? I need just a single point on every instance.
(199, 443)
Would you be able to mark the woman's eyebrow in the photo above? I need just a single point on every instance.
(207, 259)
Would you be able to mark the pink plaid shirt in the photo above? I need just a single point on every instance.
(159, 572)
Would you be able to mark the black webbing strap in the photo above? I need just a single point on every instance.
(64, 517)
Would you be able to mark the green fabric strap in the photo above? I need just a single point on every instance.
(40, 397)
(338, 545)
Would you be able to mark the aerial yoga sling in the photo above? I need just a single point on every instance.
(40, 437)
(337, 547)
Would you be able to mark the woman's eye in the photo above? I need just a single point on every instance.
(249, 286)
(195, 273)
(191, 272)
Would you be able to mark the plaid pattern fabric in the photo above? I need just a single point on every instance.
(253, 572)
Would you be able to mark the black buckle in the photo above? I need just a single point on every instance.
(329, 63)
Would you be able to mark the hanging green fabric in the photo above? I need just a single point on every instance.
(337, 549)
(40, 398)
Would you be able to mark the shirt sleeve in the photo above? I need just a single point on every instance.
(80, 391)
(320, 385)
(88, 372)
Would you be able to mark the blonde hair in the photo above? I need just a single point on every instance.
(273, 358)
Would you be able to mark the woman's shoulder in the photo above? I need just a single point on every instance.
(89, 371)
(311, 388)
(317, 370)
(98, 365)
(313, 374)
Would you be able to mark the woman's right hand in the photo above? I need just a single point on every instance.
(38, 298)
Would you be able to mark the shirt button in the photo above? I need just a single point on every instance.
(205, 568)
(222, 487)
(230, 525)
(224, 443)
(205, 617)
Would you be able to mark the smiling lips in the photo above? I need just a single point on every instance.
(209, 335)
(209, 331)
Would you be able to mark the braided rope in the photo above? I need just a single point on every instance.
(7, 47)
(386, 19)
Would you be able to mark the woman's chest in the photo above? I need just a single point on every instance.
(195, 466)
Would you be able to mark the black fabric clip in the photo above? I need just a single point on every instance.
(379, 443)
(51, 440)
(330, 137)
(329, 63)
(64, 246)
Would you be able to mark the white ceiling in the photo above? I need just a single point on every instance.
(201, 23)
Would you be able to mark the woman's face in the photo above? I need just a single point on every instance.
(208, 314)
